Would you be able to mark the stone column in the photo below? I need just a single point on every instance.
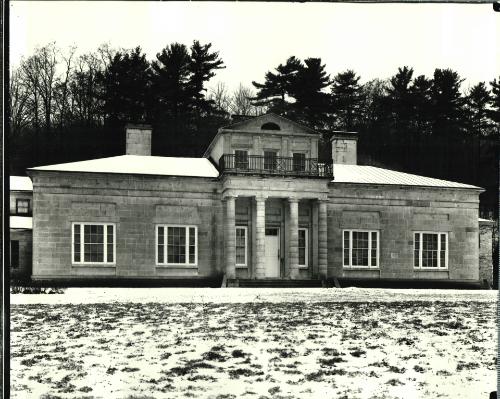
(293, 238)
(230, 238)
(322, 239)
(260, 237)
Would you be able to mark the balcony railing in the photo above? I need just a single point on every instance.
(281, 166)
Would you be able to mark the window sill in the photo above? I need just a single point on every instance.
(178, 266)
(430, 269)
(360, 268)
(302, 267)
(93, 265)
(241, 267)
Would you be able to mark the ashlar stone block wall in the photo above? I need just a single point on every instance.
(136, 204)
(486, 251)
(25, 239)
(397, 212)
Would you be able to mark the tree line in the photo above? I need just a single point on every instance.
(68, 107)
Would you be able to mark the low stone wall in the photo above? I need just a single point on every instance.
(486, 251)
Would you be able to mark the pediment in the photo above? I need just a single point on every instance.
(269, 123)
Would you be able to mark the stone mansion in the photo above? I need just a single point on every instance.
(257, 206)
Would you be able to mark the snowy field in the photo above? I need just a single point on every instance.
(253, 343)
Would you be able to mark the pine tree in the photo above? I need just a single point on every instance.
(346, 101)
(202, 68)
(477, 102)
(277, 87)
(126, 87)
(171, 81)
(494, 112)
(421, 102)
(400, 100)
(448, 115)
(311, 102)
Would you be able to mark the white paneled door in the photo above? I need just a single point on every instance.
(272, 253)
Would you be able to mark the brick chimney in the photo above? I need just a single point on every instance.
(344, 147)
(138, 139)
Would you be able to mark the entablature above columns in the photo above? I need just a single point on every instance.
(299, 189)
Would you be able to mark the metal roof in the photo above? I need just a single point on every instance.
(21, 222)
(140, 164)
(372, 175)
(20, 183)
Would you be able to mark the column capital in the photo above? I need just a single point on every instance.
(322, 200)
(292, 200)
(228, 197)
(260, 197)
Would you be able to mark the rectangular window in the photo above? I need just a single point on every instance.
(270, 160)
(299, 162)
(360, 248)
(176, 245)
(241, 246)
(241, 159)
(430, 250)
(93, 243)
(303, 247)
(22, 206)
(14, 254)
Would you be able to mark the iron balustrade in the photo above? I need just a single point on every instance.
(274, 165)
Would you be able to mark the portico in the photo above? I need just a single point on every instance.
(277, 235)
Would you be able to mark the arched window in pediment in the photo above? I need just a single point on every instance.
(270, 126)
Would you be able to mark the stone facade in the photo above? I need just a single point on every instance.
(397, 213)
(23, 239)
(15, 197)
(344, 146)
(486, 251)
(292, 223)
(135, 204)
(138, 140)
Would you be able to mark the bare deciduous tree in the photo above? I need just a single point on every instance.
(62, 93)
(47, 59)
(220, 96)
(19, 97)
(241, 103)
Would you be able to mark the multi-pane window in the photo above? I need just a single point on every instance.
(430, 250)
(93, 243)
(361, 248)
(14, 254)
(299, 162)
(270, 160)
(176, 245)
(241, 246)
(303, 247)
(241, 159)
(22, 206)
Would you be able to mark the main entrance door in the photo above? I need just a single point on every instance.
(272, 254)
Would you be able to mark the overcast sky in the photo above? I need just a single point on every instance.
(252, 38)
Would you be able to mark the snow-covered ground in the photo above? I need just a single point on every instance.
(253, 343)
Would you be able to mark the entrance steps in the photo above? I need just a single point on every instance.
(273, 283)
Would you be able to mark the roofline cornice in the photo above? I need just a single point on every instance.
(407, 186)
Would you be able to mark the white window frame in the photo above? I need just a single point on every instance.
(27, 200)
(82, 242)
(420, 250)
(306, 265)
(370, 266)
(165, 246)
(242, 265)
